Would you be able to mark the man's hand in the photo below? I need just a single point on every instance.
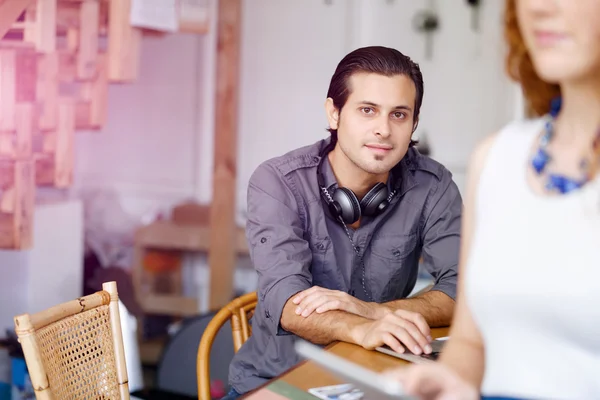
(399, 330)
(320, 300)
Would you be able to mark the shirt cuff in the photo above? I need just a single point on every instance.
(275, 300)
(448, 288)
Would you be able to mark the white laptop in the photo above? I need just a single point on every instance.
(375, 386)
(437, 346)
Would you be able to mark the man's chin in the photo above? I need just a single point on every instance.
(378, 166)
(380, 169)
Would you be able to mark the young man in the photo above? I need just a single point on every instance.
(336, 229)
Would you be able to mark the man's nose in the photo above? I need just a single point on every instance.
(384, 128)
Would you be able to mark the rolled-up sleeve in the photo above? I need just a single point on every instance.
(275, 234)
(441, 241)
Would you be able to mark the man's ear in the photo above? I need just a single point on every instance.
(333, 114)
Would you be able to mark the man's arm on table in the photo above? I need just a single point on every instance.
(396, 329)
(433, 308)
(322, 328)
(436, 307)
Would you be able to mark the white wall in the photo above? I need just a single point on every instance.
(51, 272)
(149, 148)
(13, 287)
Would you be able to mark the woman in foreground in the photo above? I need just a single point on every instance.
(527, 321)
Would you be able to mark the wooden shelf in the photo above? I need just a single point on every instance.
(169, 235)
(188, 230)
(170, 305)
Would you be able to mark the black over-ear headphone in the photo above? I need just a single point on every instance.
(343, 203)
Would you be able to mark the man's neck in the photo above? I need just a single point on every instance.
(349, 175)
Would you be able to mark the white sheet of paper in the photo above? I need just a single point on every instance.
(345, 391)
(161, 15)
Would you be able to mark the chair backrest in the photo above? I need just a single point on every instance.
(238, 311)
(75, 349)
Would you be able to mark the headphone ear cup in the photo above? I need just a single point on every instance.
(348, 205)
(375, 201)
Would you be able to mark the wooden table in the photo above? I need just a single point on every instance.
(308, 374)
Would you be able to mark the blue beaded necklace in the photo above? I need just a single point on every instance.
(557, 182)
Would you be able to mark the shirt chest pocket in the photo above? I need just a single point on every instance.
(394, 247)
(392, 267)
(322, 268)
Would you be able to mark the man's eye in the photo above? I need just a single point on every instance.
(399, 115)
(367, 110)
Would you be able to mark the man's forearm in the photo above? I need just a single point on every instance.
(436, 307)
(321, 328)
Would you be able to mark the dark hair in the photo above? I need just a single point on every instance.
(374, 59)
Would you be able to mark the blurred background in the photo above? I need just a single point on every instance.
(129, 130)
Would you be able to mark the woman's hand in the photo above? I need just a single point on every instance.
(433, 381)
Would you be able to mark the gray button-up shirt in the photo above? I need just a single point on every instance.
(295, 243)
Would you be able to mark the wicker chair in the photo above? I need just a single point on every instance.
(239, 311)
(75, 350)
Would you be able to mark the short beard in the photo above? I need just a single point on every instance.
(376, 168)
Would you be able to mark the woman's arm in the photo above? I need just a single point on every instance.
(464, 352)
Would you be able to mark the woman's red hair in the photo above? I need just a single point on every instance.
(537, 93)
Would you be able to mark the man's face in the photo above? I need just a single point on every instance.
(376, 123)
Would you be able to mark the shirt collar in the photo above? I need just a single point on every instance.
(400, 178)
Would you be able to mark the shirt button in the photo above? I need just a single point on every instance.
(267, 314)
(316, 159)
(263, 239)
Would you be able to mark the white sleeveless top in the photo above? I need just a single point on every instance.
(533, 278)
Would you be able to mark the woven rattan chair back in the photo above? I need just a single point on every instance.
(75, 350)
